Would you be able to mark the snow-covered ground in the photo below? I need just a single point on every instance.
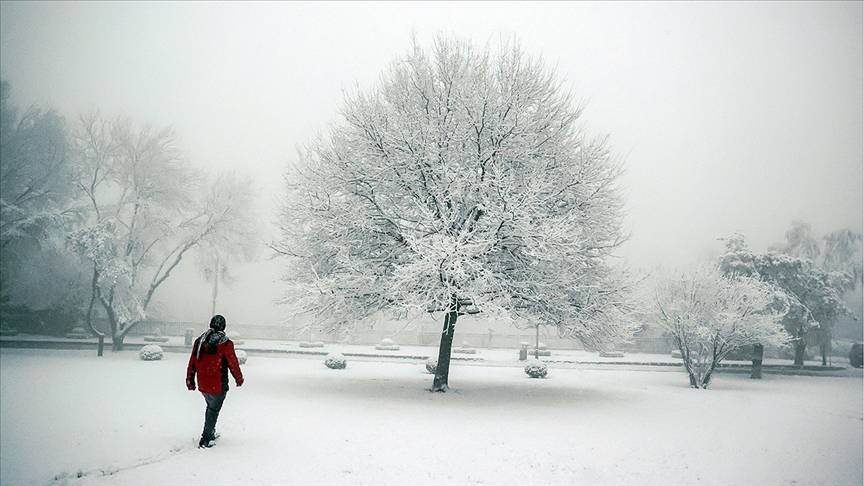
(118, 420)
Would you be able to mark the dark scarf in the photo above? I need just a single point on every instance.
(211, 338)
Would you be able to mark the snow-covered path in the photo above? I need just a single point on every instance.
(117, 420)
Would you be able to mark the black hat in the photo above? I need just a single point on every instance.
(217, 323)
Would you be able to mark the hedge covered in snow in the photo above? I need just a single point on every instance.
(234, 336)
(151, 352)
(335, 361)
(157, 337)
(387, 344)
(311, 344)
(536, 369)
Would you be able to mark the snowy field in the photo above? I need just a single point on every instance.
(121, 421)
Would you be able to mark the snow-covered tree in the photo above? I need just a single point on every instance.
(34, 170)
(461, 182)
(842, 253)
(800, 242)
(814, 296)
(147, 211)
(234, 241)
(709, 315)
(838, 253)
(38, 279)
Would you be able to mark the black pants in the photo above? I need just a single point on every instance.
(214, 405)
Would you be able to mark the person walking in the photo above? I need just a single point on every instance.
(212, 358)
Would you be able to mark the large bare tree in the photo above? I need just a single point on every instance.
(462, 182)
(148, 209)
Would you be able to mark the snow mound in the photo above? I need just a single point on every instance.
(312, 344)
(431, 365)
(335, 361)
(235, 337)
(464, 350)
(241, 356)
(387, 344)
(77, 333)
(536, 369)
(151, 352)
(157, 337)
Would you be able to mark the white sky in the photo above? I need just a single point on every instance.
(731, 117)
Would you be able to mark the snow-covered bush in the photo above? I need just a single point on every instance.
(611, 354)
(335, 361)
(431, 365)
(540, 350)
(465, 349)
(157, 337)
(235, 337)
(241, 356)
(387, 344)
(8, 331)
(77, 333)
(709, 315)
(536, 369)
(312, 344)
(151, 352)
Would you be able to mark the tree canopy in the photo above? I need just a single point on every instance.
(463, 175)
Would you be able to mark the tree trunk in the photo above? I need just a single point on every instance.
(693, 383)
(824, 348)
(100, 348)
(706, 380)
(756, 370)
(537, 342)
(215, 288)
(442, 370)
(800, 348)
(117, 342)
(685, 359)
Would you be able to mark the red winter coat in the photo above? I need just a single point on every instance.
(212, 369)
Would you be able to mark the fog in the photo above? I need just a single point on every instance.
(731, 117)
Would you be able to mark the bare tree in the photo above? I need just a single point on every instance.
(147, 214)
(236, 240)
(462, 183)
(709, 315)
(800, 242)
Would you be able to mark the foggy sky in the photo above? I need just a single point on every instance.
(731, 117)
